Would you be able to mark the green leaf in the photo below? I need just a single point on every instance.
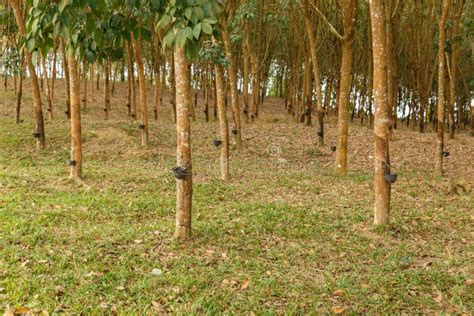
(62, 5)
(164, 21)
(197, 31)
(206, 28)
(30, 44)
(168, 39)
(90, 56)
(181, 38)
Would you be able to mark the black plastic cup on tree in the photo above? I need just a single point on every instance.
(445, 154)
(217, 142)
(141, 126)
(36, 134)
(333, 148)
(389, 177)
(71, 163)
(180, 173)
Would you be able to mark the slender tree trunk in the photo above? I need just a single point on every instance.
(143, 91)
(19, 92)
(156, 88)
(184, 186)
(84, 78)
(91, 76)
(246, 74)
(234, 95)
(173, 86)
(382, 116)
(68, 81)
(131, 80)
(441, 88)
(76, 140)
(40, 139)
(349, 11)
(206, 94)
(390, 63)
(54, 71)
(47, 92)
(106, 89)
(223, 125)
(317, 80)
(453, 68)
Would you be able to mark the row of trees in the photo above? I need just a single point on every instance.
(376, 62)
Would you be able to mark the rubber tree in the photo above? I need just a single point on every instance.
(75, 23)
(382, 110)
(308, 19)
(30, 47)
(232, 71)
(214, 54)
(348, 10)
(441, 88)
(185, 25)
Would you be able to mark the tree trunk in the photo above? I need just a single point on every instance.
(173, 86)
(315, 65)
(68, 81)
(382, 116)
(48, 92)
(156, 88)
(54, 71)
(41, 139)
(84, 79)
(246, 74)
(234, 95)
(453, 67)
(441, 88)
(349, 11)
(19, 92)
(223, 126)
(131, 81)
(76, 141)
(184, 186)
(106, 89)
(143, 92)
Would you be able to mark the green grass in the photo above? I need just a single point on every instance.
(272, 240)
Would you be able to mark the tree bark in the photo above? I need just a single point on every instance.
(441, 88)
(234, 95)
(48, 91)
(19, 92)
(76, 141)
(68, 81)
(41, 139)
(349, 10)
(223, 125)
(382, 116)
(131, 80)
(143, 91)
(315, 65)
(106, 89)
(184, 186)
(84, 79)
(453, 67)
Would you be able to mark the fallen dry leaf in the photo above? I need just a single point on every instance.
(338, 309)
(245, 285)
(59, 290)
(21, 310)
(338, 292)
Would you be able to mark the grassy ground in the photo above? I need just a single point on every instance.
(282, 236)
